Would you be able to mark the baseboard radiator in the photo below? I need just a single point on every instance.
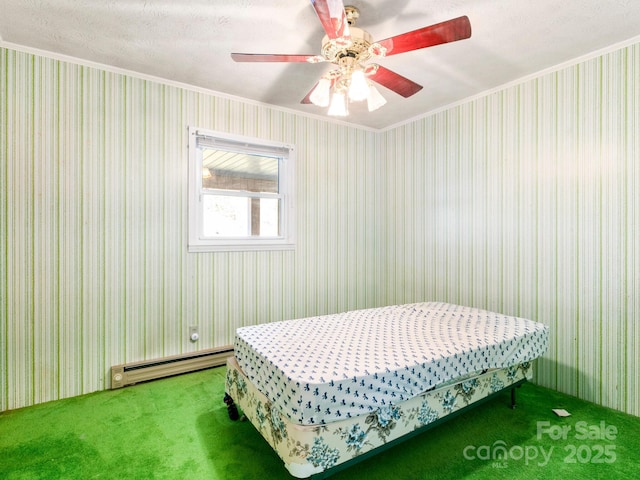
(131, 373)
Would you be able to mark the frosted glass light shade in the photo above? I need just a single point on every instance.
(375, 100)
(358, 88)
(338, 105)
(322, 93)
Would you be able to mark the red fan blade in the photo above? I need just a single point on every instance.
(267, 57)
(333, 17)
(393, 81)
(445, 32)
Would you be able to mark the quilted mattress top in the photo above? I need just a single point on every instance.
(321, 369)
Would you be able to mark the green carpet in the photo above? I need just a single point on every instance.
(177, 428)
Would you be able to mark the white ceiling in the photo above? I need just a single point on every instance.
(189, 41)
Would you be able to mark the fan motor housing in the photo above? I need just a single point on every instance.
(357, 49)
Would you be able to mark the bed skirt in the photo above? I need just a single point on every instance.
(310, 450)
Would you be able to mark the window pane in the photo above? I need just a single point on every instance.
(229, 216)
(224, 170)
(269, 224)
(225, 216)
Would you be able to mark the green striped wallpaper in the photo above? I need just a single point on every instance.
(527, 201)
(524, 201)
(94, 269)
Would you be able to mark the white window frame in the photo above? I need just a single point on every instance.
(197, 242)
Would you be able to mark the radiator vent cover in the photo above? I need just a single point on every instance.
(132, 373)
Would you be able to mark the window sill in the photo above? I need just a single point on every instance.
(249, 247)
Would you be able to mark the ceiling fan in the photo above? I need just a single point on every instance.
(349, 48)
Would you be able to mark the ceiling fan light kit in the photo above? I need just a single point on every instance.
(349, 48)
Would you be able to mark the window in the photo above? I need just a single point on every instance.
(240, 193)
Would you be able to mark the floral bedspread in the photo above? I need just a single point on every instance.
(310, 449)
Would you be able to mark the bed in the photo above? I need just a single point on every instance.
(328, 391)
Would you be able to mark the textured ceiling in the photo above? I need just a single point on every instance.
(189, 41)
